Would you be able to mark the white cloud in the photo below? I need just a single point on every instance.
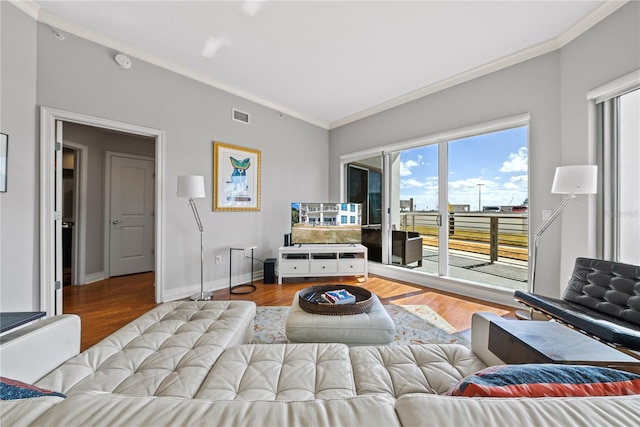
(411, 183)
(517, 161)
(405, 167)
(519, 182)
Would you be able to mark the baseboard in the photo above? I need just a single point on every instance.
(94, 277)
(217, 285)
(485, 293)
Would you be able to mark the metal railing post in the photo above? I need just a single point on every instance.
(493, 239)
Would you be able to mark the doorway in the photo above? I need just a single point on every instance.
(129, 205)
(70, 182)
(53, 140)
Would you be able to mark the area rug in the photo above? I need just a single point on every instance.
(415, 324)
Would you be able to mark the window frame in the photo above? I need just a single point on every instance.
(604, 133)
(442, 139)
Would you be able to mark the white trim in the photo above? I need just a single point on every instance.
(221, 283)
(442, 279)
(597, 15)
(450, 135)
(443, 208)
(48, 116)
(80, 214)
(35, 11)
(29, 7)
(463, 77)
(46, 17)
(94, 277)
(556, 43)
(47, 207)
(446, 284)
(615, 88)
(106, 250)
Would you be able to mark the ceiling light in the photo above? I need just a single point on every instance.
(212, 46)
(123, 60)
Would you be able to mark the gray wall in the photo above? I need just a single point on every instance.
(19, 219)
(552, 88)
(79, 76)
(605, 52)
(98, 142)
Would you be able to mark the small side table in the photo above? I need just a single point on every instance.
(521, 341)
(245, 288)
(11, 320)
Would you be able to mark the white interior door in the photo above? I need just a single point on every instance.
(131, 222)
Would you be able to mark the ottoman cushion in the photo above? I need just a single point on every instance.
(167, 351)
(374, 327)
(280, 372)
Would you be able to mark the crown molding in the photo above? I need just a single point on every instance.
(34, 10)
(29, 7)
(483, 70)
(45, 17)
(590, 20)
(555, 43)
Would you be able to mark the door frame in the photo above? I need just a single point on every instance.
(48, 225)
(109, 155)
(78, 254)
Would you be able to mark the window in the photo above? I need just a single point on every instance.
(453, 204)
(618, 133)
(485, 178)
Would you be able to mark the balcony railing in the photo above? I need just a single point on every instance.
(498, 235)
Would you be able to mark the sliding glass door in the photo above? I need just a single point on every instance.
(488, 208)
(455, 207)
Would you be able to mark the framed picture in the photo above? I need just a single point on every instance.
(4, 152)
(236, 178)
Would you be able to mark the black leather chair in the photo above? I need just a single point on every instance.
(602, 300)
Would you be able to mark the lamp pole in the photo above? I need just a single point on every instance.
(479, 197)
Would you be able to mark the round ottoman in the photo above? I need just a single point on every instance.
(374, 327)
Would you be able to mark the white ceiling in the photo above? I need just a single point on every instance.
(327, 62)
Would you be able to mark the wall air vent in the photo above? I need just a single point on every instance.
(239, 116)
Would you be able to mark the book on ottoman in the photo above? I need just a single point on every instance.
(340, 296)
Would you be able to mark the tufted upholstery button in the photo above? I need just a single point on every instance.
(165, 352)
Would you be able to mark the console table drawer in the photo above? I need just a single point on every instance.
(354, 266)
(324, 266)
(294, 267)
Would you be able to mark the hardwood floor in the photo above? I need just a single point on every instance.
(106, 306)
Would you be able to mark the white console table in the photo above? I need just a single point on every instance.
(322, 260)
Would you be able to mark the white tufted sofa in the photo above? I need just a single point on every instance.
(187, 363)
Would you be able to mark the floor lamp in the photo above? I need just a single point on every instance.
(571, 180)
(192, 186)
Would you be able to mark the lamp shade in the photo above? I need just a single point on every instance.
(580, 179)
(191, 186)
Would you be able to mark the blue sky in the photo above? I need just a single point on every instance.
(496, 160)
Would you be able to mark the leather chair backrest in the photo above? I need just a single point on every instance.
(608, 287)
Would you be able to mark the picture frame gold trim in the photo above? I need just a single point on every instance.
(236, 178)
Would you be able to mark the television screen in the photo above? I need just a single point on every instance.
(317, 223)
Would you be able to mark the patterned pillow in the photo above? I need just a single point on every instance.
(12, 389)
(543, 380)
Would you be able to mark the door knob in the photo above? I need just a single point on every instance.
(115, 222)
